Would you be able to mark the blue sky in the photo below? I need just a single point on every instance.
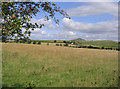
(89, 20)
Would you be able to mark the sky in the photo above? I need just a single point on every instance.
(89, 21)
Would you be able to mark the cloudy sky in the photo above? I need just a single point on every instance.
(89, 20)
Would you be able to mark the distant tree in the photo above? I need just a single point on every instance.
(28, 41)
(66, 44)
(17, 15)
(47, 43)
(39, 42)
(57, 44)
(64, 41)
(102, 47)
(55, 41)
(34, 42)
(16, 40)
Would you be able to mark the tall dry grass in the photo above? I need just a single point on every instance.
(49, 65)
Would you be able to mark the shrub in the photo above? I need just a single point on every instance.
(17, 41)
(66, 44)
(55, 41)
(83, 46)
(5, 41)
(47, 43)
(23, 41)
(39, 42)
(117, 49)
(64, 41)
(57, 44)
(79, 46)
(20, 41)
(34, 42)
(60, 44)
(90, 46)
(106, 48)
(29, 42)
(102, 47)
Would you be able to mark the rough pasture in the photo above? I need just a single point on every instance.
(58, 66)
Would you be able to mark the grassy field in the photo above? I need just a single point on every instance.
(109, 44)
(104, 43)
(51, 41)
(44, 65)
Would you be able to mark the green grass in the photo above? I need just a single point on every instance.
(109, 44)
(51, 41)
(51, 66)
(106, 44)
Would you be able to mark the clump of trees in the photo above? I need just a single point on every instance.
(39, 42)
(29, 42)
(64, 41)
(34, 42)
(57, 44)
(47, 43)
(66, 44)
(55, 41)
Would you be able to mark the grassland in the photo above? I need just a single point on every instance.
(51, 41)
(103, 43)
(106, 44)
(51, 66)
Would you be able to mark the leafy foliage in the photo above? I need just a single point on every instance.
(34, 42)
(39, 42)
(17, 15)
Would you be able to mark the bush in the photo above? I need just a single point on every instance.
(66, 44)
(16, 41)
(57, 44)
(79, 46)
(23, 41)
(47, 43)
(20, 41)
(90, 46)
(60, 44)
(29, 42)
(102, 47)
(106, 48)
(76, 46)
(55, 41)
(34, 42)
(5, 41)
(117, 49)
(64, 41)
(39, 42)
(83, 46)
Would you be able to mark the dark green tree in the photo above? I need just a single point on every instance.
(17, 15)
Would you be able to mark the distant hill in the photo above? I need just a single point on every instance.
(78, 40)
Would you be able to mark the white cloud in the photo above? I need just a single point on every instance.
(95, 8)
(38, 31)
(83, 0)
(97, 0)
(71, 30)
(104, 36)
(48, 23)
(97, 28)
(62, 35)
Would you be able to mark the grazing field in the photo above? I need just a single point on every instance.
(110, 44)
(44, 65)
(51, 41)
